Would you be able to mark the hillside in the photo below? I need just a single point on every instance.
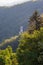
(13, 42)
(12, 18)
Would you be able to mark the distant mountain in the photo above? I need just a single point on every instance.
(12, 18)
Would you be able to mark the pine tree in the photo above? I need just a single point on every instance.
(35, 22)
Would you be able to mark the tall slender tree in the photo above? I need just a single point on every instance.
(35, 22)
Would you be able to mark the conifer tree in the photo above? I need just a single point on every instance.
(35, 22)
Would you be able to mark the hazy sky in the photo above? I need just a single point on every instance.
(11, 2)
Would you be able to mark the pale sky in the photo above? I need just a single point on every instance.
(11, 2)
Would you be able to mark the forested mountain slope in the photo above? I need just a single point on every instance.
(12, 18)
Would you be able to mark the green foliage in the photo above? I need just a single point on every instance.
(30, 49)
(7, 57)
